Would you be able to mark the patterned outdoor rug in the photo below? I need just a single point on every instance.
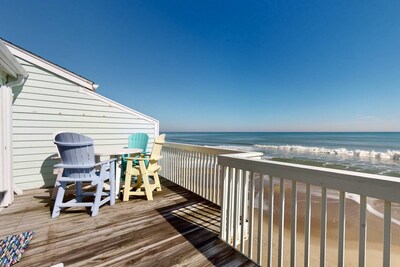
(12, 247)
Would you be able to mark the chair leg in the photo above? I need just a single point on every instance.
(128, 180)
(78, 191)
(147, 188)
(157, 181)
(97, 198)
(55, 189)
(59, 199)
(112, 184)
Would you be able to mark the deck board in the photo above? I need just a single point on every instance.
(178, 228)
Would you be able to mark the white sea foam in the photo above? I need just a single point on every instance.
(389, 154)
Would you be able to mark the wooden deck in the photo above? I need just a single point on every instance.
(178, 228)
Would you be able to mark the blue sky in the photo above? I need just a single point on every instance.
(228, 65)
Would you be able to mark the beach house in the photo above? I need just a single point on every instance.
(46, 99)
(217, 207)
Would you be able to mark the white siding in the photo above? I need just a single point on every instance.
(48, 104)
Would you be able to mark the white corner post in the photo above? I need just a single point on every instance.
(6, 168)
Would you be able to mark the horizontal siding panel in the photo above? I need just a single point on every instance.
(24, 62)
(61, 106)
(61, 100)
(37, 111)
(50, 91)
(33, 164)
(48, 79)
(47, 172)
(35, 157)
(27, 137)
(49, 142)
(50, 118)
(88, 131)
(36, 181)
(48, 150)
(36, 70)
(55, 86)
(84, 123)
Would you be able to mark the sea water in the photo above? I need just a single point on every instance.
(370, 152)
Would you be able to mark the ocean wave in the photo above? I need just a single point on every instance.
(389, 154)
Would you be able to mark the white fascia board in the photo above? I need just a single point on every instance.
(9, 64)
(120, 106)
(36, 60)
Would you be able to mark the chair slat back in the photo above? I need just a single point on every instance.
(158, 143)
(138, 140)
(76, 149)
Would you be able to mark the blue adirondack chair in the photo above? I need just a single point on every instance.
(136, 140)
(78, 163)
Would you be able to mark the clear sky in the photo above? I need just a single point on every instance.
(211, 65)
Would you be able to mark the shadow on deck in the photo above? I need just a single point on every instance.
(178, 228)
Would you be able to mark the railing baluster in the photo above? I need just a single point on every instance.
(294, 225)
(230, 203)
(387, 233)
(187, 166)
(197, 154)
(251, 216)
(200, 174)
(224, 205)
(214, 178)
(307, 227)
(211, 182)
(281, 221)
(208, 182)
(245, 192)
(236, 208)
(363, 232)
(270, 219)
(322, 257)
(260, 218)
(342, 229)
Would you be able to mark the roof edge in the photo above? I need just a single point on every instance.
(52, 67)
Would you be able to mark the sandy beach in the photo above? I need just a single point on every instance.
(374, 229)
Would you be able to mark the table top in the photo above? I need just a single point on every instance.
(115, 151)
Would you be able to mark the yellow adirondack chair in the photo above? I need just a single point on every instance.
(143, 187)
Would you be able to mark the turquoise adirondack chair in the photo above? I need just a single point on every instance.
(136, 140)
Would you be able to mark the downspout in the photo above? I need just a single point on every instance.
(19, 81)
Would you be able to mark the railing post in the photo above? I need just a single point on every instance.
(224, 203)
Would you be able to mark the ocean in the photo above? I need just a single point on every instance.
(370, 152)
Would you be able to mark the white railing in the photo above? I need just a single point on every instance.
(242, 177)
(262, 224)
(196, 168)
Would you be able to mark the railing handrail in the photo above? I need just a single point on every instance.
(371, 185)
(202, 149)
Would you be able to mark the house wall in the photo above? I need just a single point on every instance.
(47, 104)
(3, 77)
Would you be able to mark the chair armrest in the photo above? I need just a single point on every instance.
(104, 162)
(132, 158)
(66, 166)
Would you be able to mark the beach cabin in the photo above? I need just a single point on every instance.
(46, 99)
